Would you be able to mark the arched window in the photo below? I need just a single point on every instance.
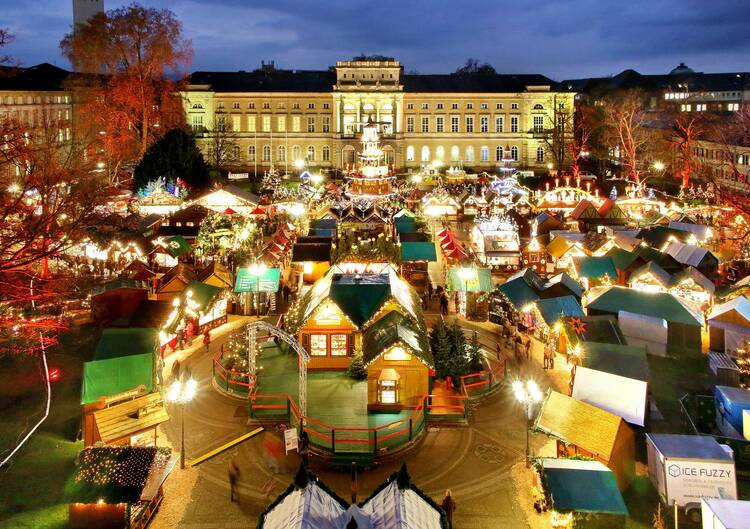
(410, 153)
(296, 153)
(266, 153)
(310, 153)
(440, 153)
(540, 155)
(282, 153)
(498, 153)
(514, 153)
(455, 155)
(484, 153)
(348, 107)
(367, 107)
(425, 154)
(251, 153)
(326, 153)
(470, 153)
(538, 106)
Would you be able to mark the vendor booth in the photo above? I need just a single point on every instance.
(415, 259)
(308, 503)
(579, 489)
(719, 513)
(122, 369)
(590, 432)
(683, 323)
(731, 403)
(614, 378)
(729, 325)
(117, 487)
(257, 288)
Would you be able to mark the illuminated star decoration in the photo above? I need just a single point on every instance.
(577, 325)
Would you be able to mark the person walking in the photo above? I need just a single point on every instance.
(207, 339)
(449, 506)
(234, 475)
(443, 304)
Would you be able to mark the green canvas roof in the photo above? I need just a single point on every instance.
(360, 298)
(391, 329)
(595, 267)
(203, 294)
(247, 282)
(554, 309)
(482, 281)
(518, 292)
(623, 360)
(621, 258)
(655, 304)
(177, 246)
(418, 251)
(601, 329)
(115, 343)
(582, 486)
(102, 378)
(405, 224)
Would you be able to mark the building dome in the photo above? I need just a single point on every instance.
(682, 69)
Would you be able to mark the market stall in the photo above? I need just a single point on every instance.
(729, 325)
(589, 432)
(117, 487)
(614, 378)
(582, 490)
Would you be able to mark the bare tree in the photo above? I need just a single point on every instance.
(687, 128)
(222, 145)
(625, 121)
(733, 137)
(585, 124)
(556, 134)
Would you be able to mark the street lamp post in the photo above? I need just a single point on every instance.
(527, 394)
(257, 270)
(182, 393)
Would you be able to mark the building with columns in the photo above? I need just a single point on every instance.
(275, 116)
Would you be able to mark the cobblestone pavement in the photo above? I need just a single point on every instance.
(474, 461)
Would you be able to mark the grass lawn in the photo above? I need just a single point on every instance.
(32, 484)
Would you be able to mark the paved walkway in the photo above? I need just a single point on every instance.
(474, 461)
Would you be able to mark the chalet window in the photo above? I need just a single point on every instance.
(388, 391)
(318, 345)
(339, 345)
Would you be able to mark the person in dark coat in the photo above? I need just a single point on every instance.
(443, 304)
(234, 475)
(449, 506)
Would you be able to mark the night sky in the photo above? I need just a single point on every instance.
(558, 38)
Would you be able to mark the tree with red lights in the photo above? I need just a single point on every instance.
(585, 122)
(625, 122)
(129, 98)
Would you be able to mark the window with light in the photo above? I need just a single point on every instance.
(318, 345)
(388, 391)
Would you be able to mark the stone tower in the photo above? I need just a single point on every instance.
(83, 10)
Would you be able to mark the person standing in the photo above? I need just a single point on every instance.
(234, 475)
(207, 340)
(449, 506)
(443, 304)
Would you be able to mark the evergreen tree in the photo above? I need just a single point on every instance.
(357, 369)
(474, 353)
(459, 363)
(440, 345)
(174, 156)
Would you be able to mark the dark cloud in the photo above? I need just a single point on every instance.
(562, 39)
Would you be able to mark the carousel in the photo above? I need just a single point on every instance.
(372, 180)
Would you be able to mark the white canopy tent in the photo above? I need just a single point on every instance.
(729, 325)
(622, 396)
(643, 330)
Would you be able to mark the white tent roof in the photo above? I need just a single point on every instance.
(308, 508)
(741, 304)
(700, 231)
(624, 397)
(686, 253)
(733, 514)
(393, 508)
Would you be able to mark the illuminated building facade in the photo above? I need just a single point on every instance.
(279, 116)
